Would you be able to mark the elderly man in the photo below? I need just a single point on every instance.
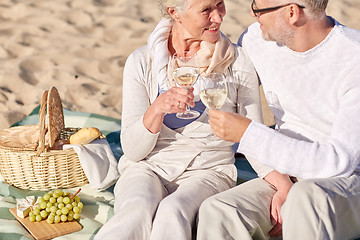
(309, 183)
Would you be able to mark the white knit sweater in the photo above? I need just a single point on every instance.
(315, 97)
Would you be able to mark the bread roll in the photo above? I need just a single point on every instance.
(85, 135)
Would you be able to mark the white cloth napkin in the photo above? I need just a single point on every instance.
(98, 163)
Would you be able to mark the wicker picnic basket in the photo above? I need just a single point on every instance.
(28, 155)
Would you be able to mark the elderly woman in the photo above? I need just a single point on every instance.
(171, 165)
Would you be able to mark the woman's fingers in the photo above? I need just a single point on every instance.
(183, 95)
(179, 106)
(175, 100)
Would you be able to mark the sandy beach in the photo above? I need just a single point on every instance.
(80, 47)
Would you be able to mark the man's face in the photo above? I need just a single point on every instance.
(273, 24)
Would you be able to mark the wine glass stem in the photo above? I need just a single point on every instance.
(187, 109)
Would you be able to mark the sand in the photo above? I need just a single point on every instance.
(80, 47)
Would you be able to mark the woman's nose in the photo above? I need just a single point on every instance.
(216, 16)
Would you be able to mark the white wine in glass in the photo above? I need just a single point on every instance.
(185, 76)
(213, 90)
(185, 73)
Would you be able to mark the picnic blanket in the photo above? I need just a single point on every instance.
(98, 206)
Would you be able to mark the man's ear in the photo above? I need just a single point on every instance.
(173, 13)
(294, 14)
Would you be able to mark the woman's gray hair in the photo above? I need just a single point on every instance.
(179, 5)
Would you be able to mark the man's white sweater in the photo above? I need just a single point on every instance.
(315, 98)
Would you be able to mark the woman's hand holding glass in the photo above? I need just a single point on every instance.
(185, 73)
(175, 100)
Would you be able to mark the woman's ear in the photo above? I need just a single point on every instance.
(173, 13)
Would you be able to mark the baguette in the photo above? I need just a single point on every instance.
(85, 135)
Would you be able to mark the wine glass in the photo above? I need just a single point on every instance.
(185, 73)
(213, 90)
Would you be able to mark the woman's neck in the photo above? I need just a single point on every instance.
(180, 43)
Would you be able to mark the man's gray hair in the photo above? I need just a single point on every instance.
(315, 7)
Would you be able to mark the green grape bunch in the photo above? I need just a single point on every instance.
(57, 206)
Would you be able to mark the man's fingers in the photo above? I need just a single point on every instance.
(214, 114)
(279, 219)
(274, 216)
(212, 125)
(276, 230)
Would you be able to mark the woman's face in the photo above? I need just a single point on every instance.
(201, 19)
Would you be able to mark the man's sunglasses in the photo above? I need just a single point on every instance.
(257, 10)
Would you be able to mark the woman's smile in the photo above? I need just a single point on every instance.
(213, 29)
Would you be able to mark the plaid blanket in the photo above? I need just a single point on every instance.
(98, 206)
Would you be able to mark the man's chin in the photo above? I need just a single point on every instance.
(266, 37)
(269, 39)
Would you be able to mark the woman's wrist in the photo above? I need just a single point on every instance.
(153, 119)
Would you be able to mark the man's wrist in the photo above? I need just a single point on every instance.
(281, 182)
(243, 127)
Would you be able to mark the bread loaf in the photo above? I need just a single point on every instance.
(85, 136)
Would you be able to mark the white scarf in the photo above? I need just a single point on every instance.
(158, 47)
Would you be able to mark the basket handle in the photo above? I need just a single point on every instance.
(42, 124)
